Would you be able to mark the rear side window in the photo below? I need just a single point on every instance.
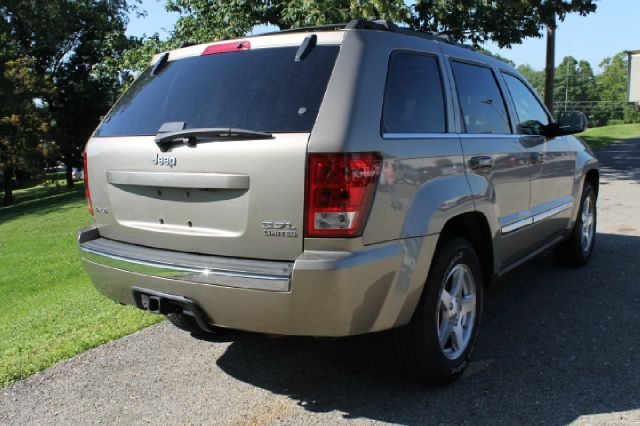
(262, 89)
(482, 104)
(413, 101)
(531, 115)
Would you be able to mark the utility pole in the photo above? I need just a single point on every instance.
(566, 86)
(550, 65)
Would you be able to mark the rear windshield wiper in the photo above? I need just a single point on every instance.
(190, 136)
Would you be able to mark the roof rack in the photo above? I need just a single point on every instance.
(325, 27)
(376, 25)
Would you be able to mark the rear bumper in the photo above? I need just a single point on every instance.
(322, 293)
(193, 268)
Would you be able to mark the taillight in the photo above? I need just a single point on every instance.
(236, 46)
(340, 190)
(87, 193)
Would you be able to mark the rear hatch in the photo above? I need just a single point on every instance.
(224, 193)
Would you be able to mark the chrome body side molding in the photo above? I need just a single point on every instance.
(536, 218)
(449, 136)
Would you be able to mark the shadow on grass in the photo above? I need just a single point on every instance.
(40, 200)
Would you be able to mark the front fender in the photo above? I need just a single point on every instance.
(585, 162)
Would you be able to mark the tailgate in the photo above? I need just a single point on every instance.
(221, 195)
(241, 198)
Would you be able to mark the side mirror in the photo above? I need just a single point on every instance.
(571, 122)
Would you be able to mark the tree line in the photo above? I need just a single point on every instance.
(64, 62)
(603, 96)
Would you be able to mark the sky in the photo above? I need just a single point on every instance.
(613, 28)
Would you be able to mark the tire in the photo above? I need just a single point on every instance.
(417, 346)
(576, 250)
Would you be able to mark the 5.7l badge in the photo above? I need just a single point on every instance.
(279, 228)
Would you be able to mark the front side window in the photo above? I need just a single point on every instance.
(413, 101)
(482, 104)
(531, 115)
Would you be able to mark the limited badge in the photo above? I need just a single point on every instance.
(279, 228)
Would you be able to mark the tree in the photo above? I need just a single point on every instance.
(132, 58)
(204, 20)
(505, 22)
(534, 77)
(611, 86)
(22, 116)
(575, 86)
(474, 21)
(84, 92)
(495, 55)
(65, 39)
(22, 120)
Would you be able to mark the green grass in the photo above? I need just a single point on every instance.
(599, 137)
(49, 311)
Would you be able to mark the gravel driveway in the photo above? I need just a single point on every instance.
(556, 346)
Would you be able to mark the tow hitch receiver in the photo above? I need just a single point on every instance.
(153, 304)
(165, 303)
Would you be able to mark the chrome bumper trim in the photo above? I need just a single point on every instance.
(200, 271)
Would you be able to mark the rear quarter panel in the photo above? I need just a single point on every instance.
(429, 183)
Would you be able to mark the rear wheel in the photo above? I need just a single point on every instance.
(436, 345)
(577, 249)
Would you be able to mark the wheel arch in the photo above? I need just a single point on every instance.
(593, 177)
(474, 227)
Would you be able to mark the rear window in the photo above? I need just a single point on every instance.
(262, 89)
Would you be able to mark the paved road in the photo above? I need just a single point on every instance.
(556, 346)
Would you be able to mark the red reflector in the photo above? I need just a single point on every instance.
(340, 191)
(87, 193)
(236, 46)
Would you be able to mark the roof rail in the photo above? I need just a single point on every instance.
(325, 27)
(375, 25)
(382, 25)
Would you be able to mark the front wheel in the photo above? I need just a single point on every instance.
(435, 347)
(577, 249)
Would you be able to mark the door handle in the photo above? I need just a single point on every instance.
(481, 162)
(537, 157)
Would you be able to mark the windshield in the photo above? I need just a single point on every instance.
(262, 90)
